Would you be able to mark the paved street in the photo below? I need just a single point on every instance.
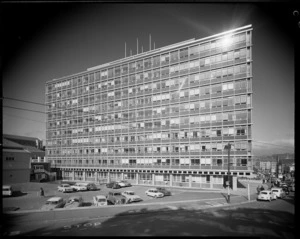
(264, 219)
(186, 212)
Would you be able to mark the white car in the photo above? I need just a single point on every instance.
(278, 192)
(131, 197)
(65, 188)
(266, 195)
(79, 187)
(7, 190)
(152, 192)
(100, 200)
(54, 202)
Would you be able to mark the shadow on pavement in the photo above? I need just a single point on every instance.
(19, 194)
(239, 222)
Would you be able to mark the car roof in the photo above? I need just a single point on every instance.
(152, 189)
(129, 191)
(65, 184)
(6, 186)
(53, 199)
(74, 197)
(100, 196)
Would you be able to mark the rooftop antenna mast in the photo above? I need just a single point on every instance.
(137, 46)
(125, 49)
(150, 42)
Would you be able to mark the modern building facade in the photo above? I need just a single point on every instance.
(162, 117)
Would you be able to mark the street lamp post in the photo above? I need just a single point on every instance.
(228, 173)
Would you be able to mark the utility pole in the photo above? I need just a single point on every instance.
(228, 173)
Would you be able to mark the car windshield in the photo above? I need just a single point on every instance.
(101, 199)
(74, 200)
(263, 193)
(51, 202)
(130, 193)
(117, 194)
(275, 191)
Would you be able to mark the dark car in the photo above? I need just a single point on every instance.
(164, 191)
(113, 185)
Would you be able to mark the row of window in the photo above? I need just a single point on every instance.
(218, 179)
(174, 56)
(163, 148)
(182, 134)
(161, 111)
(208, 160)
(157, 124)
(178, 92)
(185, 81)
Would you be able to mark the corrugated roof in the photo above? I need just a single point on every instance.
(10, 144)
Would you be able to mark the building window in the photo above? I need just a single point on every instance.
(9, 158)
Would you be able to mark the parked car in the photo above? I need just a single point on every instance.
(153, 192)
(7, 190)
(164, 191)
(92, 187)
(266, 195)
(115, 198)
(79, 187)
(278, 192)
(88, 186)
(74, 202)
(100, 200)
(54, 202)
(113, 185)
(131, 197)
(65, 188)
(124, 183)
(292, 187)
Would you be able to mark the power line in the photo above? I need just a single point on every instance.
(283, 146)
(23, 109)
(26, 101)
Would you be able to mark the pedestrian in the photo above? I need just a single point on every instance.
(262, 188)
(42, 192)
(258, 189)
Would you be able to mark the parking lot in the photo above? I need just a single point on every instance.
(28, 198)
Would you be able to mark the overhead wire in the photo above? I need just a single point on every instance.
(6, 106)
(25, 101)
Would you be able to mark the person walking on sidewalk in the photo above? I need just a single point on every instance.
(42, 194)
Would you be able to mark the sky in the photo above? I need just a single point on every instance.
(48, 41)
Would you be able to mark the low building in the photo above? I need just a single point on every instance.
(15, 163)
(17, 154)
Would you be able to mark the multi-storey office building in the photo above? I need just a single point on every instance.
(162, 117)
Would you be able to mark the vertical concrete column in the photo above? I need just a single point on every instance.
(83, 174)
(234, 182)
(153, 178)
(171, 180)
(73, 175)
(122, 176)
(96, 176)
(137, 178)
(108, 177)
(190, 180)
(211, 181)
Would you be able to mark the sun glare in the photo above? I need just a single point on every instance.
(227, 40)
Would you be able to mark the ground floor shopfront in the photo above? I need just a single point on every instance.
(167, 178)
